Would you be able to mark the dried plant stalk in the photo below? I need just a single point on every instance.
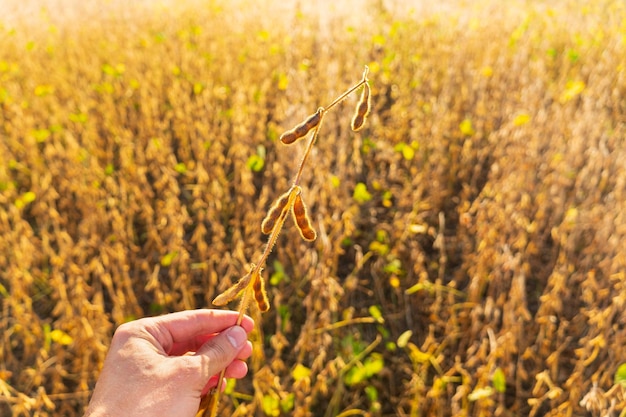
(252, 284)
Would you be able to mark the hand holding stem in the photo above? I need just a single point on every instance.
(252, 284)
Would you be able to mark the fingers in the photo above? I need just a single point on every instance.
(186, 324)
(237, 369)
(191, 346)
(213, 335)
(187, 330)
(224, 347)
(224, 351)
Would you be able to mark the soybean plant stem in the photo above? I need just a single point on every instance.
(213, 397)
(350, 91)
(313, 139)
(309, 146)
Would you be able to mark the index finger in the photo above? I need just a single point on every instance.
(184, 326)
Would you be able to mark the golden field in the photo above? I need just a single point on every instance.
(471, 250)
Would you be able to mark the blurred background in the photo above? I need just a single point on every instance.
(470, 257)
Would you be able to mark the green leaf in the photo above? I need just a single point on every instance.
(361, 195)
(279, 273)
(620, 375)
(352, 345)
(300, 372)
(394, 267)
(380, 248)
(61, 337)
(387, 198)
(271, 405)
(372, 393)
(41, 135)
(285, 316)
(198, 88)
(408, 153)
(466, 127)
(26, 198)
(29, 197)
(156, 308)
(4, 95)
(574, 56)
(283, 81)
(376, 314)
(521, 119)
(180, 167)
(379, 39)
(167, 259)
(368, 145)
(43, 90)
(499, 380)
(231, 383)
(403, 339)
(255, 163)
(78, 118)
(108, 69)
(370, 367)
(287, 403)
(156, 142)
(480, 393)
(572, 90)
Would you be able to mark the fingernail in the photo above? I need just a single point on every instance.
(237, 336)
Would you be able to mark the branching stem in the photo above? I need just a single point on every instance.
(209, 404)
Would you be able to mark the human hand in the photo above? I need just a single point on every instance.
(151, 368)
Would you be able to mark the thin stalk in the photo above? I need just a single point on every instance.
(344, 370)
(209, 403)
(349, 91)
(342, 323)
(309, 146)
(271, 242)
(313, 139)
(215, 393)
(211, 411)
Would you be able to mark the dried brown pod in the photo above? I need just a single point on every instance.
(253, 284)
(362, 109)
(274, 213)
(260, 295)
(302, 219)
(231, 293)
(303, 128)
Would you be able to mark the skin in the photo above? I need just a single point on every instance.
(162, 365)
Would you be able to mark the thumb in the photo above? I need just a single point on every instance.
(220, 351)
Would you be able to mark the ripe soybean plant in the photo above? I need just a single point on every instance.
(252, 284)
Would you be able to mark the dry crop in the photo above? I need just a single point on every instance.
(289, 202)
(470, 255)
